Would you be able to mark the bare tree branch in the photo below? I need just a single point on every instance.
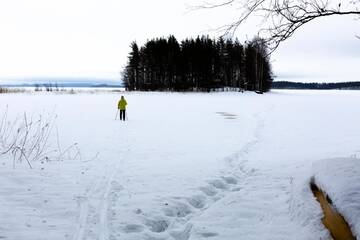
(283, 17)
(208, 5)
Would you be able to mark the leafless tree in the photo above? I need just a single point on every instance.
(283, 17)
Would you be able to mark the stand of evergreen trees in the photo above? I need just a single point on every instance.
(200, 64)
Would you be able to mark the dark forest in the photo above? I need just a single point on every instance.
(325, 86)
(201, 64)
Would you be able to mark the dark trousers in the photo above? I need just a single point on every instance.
(122, 115)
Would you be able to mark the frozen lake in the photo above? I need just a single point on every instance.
(184, 165)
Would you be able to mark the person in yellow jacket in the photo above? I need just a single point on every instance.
(122, 107)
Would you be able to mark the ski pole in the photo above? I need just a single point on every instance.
(116, 114)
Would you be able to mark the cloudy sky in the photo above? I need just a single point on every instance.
(90, 38)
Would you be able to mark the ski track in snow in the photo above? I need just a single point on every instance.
(93, 217)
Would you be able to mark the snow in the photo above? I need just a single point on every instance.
(340, 178)
(185, 166)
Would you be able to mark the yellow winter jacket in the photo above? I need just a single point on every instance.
(122, 104)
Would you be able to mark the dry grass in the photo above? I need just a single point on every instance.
(11, 90)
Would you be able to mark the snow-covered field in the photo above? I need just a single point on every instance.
(185, 166)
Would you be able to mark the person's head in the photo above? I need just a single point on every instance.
(122, 97)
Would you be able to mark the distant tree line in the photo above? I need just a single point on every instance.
(301, 85)
(49, 87)
(200, 64)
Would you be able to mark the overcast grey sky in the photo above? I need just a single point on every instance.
(91, 38)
